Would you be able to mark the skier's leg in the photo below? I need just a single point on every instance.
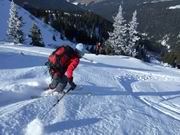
(62, 84)
(54, 83)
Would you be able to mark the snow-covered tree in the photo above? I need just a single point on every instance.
(20, 34)
(118, 38)
(36, 36)
(133, 37)
(14, 31)
(165, 41)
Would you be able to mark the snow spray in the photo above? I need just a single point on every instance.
(35, 127)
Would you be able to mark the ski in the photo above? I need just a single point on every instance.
(52, 92)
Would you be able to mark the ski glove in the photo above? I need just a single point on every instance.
(73, 85)
(70, 79)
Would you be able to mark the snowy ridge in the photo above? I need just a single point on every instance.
(28, 19)
(175, 7)
(157, 1)
(127, 96)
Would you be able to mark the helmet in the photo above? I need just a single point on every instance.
(80, 49)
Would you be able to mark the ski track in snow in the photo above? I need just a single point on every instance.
(167, 107)
(123, 100)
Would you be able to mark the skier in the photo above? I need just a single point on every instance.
(62, 63)
(98, 48)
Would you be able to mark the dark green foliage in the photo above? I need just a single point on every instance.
(156, 20)
(20, 34)
(36, 36)
(108, 48)
(80, 27)
(173, 57)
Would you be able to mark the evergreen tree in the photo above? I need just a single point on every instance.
(36, 36)
(20, 34)
(14, 31)
(133, 35)
(118, 38)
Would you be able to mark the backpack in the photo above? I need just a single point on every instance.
(60, 58)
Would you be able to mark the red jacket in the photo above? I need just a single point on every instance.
(69, 67)
(73, 63)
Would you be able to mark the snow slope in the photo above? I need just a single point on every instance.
(157, 1)
(28, 19)
(120, 96)
(175, 7)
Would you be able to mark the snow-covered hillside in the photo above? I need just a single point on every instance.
(175, 7)
(120, 96)
(28, 19)
(157, 1)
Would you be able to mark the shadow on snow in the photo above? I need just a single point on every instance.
(100, 65)
(13, 60)
(112, 91)
(66, 125)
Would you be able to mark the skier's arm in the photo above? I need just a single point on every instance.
(74, 63)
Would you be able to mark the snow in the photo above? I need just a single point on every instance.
(175, 7)
(156, 1)
(28, 19)
(36, 126)
(75, 3)
(120, 95)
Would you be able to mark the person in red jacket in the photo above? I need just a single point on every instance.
(62, 62)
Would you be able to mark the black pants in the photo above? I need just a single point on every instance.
(58, 83)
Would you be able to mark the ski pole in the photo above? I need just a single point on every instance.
(47, 112)
(45, 69)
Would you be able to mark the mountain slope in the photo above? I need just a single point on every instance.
(46, 30)
(120, 95)
(53, 4)
(155, 17)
